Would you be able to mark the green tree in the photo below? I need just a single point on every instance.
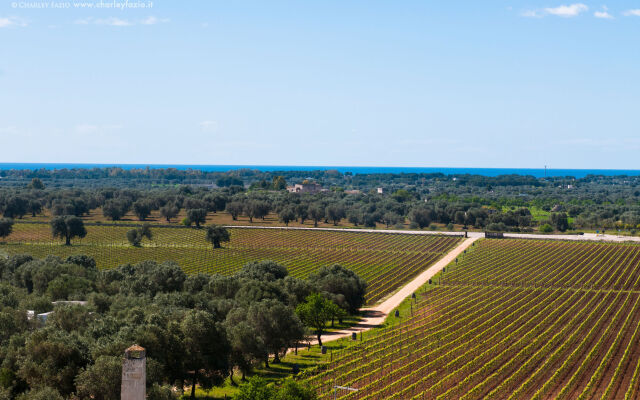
(157, 392)
(215, 202)
(302, 212)
(101, 380)
(287, 214)
(53, 357)
(256, 209)
(277, 325)
(206, 349)
(67, 227)
(402, 195)
(342, 285)
(262, 209)
(65, 286)
(355, 215)
(34, 207)
(234, 209)
(560, 221)
(36, 183)
(217, 234)
(336, 313)
(421, 217)
(11, 322)
(15, 207)
(264, 271)
(335, 213)
(5, 391)
(315, 312)
(41, 393)
(134, 237)
(142, 208)
(292, 390)
(169, 211)
(197, 216)
(279, 183)
(115, 209)
(391, 218)
(316, 212)
(546, 228)
(247, 346)
(256, 389)
(145, 231)
(6, 226)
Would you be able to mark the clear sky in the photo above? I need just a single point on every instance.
(346, 82)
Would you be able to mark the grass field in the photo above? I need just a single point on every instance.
(384, 260)
(515, 319)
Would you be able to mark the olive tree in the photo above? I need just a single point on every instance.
(316, 212)
(67, 227)
(169, 210)
(197, 216)
(234, 209)
(142, 208)
(6, 226)
(341, 285)
(217, 234)
(287, 214)
(315, 312)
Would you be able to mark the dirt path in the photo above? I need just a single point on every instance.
(375, 316)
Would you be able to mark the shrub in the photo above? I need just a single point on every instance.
(134, 237)
(546, 228)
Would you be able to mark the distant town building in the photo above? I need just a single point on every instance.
(352, 191)
(380, 190)
(305, 187)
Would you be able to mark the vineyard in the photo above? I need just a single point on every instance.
(512, 319)
(386, 261)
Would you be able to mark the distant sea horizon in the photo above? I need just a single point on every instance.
(536, 172)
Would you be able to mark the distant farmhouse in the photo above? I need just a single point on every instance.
(306, 187)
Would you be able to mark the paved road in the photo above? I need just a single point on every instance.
(586, 236)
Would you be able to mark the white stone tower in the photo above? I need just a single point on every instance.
(134, 374)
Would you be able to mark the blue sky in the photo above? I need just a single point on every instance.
(389, 83)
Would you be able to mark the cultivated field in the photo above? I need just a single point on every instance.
(386, 261)
(515, 319)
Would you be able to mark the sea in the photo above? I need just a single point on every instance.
(537, 172)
